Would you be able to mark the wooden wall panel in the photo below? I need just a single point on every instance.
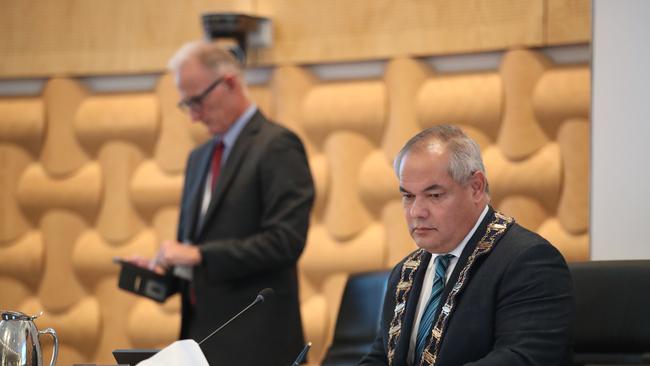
(567, 21)
(79, 37)
(365, 29)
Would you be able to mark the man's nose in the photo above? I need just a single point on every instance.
(419, 208)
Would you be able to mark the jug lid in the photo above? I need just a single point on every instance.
(15, 315)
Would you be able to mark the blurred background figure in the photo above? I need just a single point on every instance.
(243, 219)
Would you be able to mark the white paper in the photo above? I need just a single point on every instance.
(180, 353)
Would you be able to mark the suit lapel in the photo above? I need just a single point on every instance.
(230, 168)
(401, 351)
(467, 251)
(197, 180)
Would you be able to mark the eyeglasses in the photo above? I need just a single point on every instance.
(195, 102)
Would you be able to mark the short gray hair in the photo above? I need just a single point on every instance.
(464, 153)
(210, 54)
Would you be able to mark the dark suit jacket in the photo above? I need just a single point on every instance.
(516, 309)
(252, 235)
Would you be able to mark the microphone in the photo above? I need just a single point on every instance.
(267, 292)
(301, 355)
(261, 296)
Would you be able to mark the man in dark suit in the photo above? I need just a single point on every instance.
(243, 221)
(480, 290)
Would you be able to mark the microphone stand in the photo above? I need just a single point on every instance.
(258, 299)
(302, 355)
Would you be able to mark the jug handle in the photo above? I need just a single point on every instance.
(55, 349)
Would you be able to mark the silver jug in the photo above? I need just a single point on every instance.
(19, 344)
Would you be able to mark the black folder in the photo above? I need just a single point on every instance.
(145, 282)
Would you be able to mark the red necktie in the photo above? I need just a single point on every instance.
(216, 163)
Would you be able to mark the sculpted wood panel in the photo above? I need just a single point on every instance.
(123, 198)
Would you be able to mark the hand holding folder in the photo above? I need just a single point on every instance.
(145, 282)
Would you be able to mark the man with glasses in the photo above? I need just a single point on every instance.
(243, 221)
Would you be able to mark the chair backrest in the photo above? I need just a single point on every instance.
(612, 312)
(358, 320)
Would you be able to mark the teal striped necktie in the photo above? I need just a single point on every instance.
(442, 262)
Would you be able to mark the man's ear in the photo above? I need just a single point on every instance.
(477, 182)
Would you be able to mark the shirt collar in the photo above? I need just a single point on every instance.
(233, 132)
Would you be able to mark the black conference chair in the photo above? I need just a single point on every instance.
(613, 312)
(358, 320)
